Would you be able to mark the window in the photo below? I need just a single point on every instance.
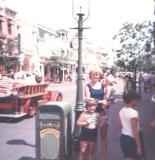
(19, 42)
(1, 9)
(9, 28)
(1, 26)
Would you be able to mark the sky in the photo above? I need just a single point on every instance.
(106, 16)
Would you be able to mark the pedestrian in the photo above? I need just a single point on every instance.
(88, 123)
(111, 77)
(59, 97)
(152, 78)
(110, 81)
(147, 82)
(70, 77)
(130, 130)
(95, 89)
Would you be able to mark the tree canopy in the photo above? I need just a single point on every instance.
(135, 42)
(59, 61)
(7, 48)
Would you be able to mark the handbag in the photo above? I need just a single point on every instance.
(153, 98)
(153, 124)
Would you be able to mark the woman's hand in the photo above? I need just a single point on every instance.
(139, 151)
(105, 103)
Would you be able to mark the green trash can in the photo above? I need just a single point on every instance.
(54, 131)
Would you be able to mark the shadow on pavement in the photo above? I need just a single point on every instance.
(19, 142)
(10, 120)
(26, 158)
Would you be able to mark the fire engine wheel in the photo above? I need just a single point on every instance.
(32, 109)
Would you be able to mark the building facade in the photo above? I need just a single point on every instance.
(39, 49)
(8, 40)
(45, 51)
(92, 56)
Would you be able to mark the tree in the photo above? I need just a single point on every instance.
(11, 46)
(2, 39)
(60, 61)
(105, 67)
(135, 45)
(7, 48)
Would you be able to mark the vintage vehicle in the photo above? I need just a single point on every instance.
(22, 99)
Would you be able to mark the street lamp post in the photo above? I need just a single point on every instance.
(80, 17)
(79, 95)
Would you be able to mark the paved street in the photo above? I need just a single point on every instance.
(18, 138)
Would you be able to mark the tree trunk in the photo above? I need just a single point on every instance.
(134, 79)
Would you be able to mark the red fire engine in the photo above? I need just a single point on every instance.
(21, 99)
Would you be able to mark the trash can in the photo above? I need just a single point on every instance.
(54, 131)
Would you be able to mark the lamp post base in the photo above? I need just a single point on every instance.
(76, 139)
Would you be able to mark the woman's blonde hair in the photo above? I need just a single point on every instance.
(95, 70)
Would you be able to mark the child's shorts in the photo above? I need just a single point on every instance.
(128, 146)
(88, 134)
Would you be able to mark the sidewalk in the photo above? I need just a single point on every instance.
(147, 114)
(66, 83)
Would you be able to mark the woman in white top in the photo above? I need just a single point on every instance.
(129, 118)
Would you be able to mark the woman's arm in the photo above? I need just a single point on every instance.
(135, 131)
(87, 92)
(119, 123)
(81, 122)
(108, 92)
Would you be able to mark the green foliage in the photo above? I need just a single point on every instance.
(11, 45)
(9, 64)
(121, 64)
(59, 61)
(105, 67)
(133, 39)
(2, 38)
(7, 48)
(7, 45)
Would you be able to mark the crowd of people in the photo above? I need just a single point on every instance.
(94, 121)
(149, 82)
(145, 78)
